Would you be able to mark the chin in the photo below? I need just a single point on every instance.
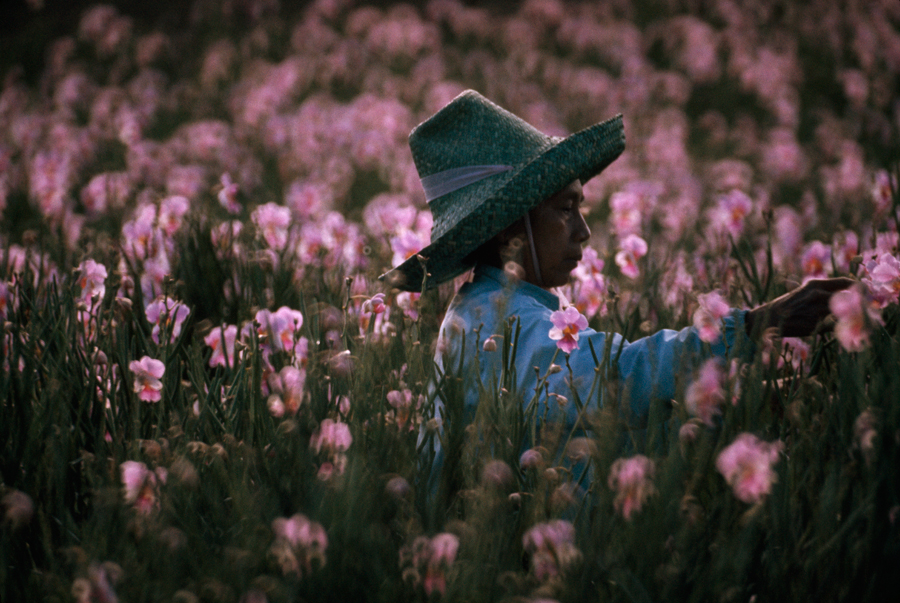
(552, 283)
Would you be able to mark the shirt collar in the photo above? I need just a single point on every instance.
(542, 296)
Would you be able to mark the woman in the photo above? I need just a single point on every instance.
(501, 191)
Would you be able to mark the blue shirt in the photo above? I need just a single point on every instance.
(645, 371)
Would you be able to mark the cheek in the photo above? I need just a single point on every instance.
(550, 232)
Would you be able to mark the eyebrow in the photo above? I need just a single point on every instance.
(574, 196)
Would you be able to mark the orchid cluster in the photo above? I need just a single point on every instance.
(552, 550)
(426, 562)
(277, 334)
(141, 486)
(331, 441)
(299, 546)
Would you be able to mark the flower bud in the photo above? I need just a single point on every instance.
(531, 459)
(398, 488)
(496, 474)
(17, 508)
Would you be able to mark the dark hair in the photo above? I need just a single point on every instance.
(488, 253)
(496, 251)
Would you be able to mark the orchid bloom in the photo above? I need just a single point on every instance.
(148, 373)
(552, 548)
(705, 395)
(223, 352)
(730, 212)
(92, 280)
(566, 326)
(708, 316)
(883, 279)
(816, 260)
(140, 485)
(273, 221)
(279, 328)
(166, 315)
(746, 464)
(631, 479)
(228, 194)
(299, 541)
(374, 304)
(854, 316)
(631, 249)
(406, 244)
(333, 438)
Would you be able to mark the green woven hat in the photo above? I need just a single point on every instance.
(482, 169)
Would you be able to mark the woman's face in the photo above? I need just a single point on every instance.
(559, 231)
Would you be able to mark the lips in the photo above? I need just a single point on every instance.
(571, 263)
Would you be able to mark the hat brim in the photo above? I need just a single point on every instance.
(580, 156)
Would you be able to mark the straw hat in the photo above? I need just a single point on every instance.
(483, 168)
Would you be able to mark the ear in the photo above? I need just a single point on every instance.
(513, 231)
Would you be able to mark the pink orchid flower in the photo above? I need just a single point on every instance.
(223, 351)
(92, 280)
(279, 328)
(854, 318)
(708, 316)
(730, 212)
(816, 260)
(631, 249)
(148, 373)
(140, 485)
(566, 326)
(442, 549)
(552, 548)
(228, 194)
(705, 395)
(631, 479)
(374, 304)
(746, 464)
(166, 315)
(883, 279)
(273, 221)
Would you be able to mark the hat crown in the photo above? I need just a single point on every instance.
(472, 131)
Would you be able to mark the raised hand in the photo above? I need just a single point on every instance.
(799, 312)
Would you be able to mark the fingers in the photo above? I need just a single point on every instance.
(831, 284)
(803, 310)
(799, 312)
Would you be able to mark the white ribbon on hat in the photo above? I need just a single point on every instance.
(534, 259)
(442, 183)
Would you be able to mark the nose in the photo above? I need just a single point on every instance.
(582, 230)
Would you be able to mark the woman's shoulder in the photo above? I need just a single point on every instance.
(492, 291)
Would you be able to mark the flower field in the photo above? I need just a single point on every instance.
(206, 394)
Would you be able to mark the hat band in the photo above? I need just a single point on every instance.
(442, 183)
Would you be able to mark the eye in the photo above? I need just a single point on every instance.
(571, 205)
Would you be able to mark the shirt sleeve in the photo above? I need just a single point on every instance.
(650, 369)
(643, 371)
